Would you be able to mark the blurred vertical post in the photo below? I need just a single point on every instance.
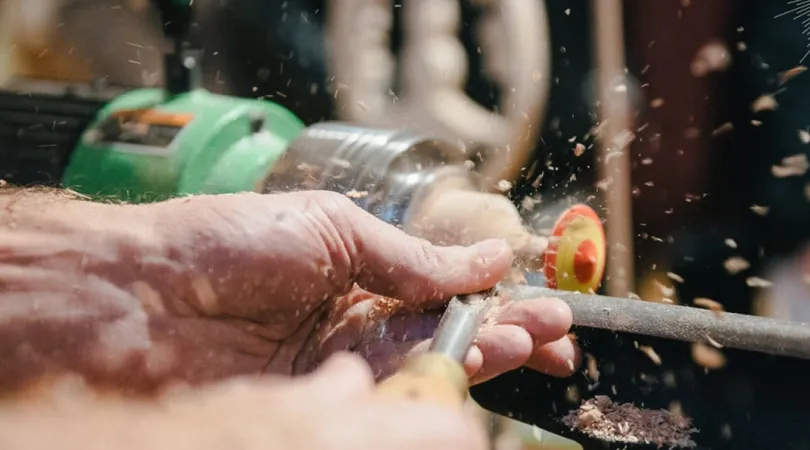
(616, 121)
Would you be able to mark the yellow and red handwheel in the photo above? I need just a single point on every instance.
(575, 258)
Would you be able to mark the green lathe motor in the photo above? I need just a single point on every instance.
(153, 144)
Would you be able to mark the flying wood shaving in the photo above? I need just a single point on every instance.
(650, 352)
(357, 194)
(759, 210)
(579, 150)
(675, 277)
(790, 74)
(657, 103)
(735, 265)
(592, 368)
(708, 357)
(757, 282)
(764, 103)
(804, 136)
(712, 342)
(528, 203)
(712, 57)
(504, 185)
(666, 291)
(730, 243)
(791, 166)
(384, 308)
(723, 129)
(711, 305)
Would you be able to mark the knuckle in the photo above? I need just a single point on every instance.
(425, 254)
(332, 202)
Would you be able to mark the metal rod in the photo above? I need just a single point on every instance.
(739, 331)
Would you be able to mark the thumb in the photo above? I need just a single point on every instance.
(389, 262)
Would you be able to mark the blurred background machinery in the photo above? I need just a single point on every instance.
(685, 120)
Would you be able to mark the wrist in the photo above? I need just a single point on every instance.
(59, 231)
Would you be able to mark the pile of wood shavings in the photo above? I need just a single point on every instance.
(603, 419)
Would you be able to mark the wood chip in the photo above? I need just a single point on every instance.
(708, 357)
(723, 129)
(666, 291)
(592, 368)
(757, 282)
(603, 419)
(792, 166)
(528, 203)
(711, 305)
(712, 342)
(712, 57)
(675, 277)
(650, 352)
(383, 308)
(735, 265)
(790, 74)
(764, 103)
(504, 186)
(357, 194)
(579, 149)
(759, 210)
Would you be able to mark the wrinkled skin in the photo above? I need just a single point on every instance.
(211, 288)
(325, 264)
(333, 408)
(207, 287)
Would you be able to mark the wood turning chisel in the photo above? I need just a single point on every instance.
(438, 375)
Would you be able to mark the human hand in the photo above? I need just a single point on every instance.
(313, 274)
(207, 287)
(334, 408)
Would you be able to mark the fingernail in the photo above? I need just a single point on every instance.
(492, 250)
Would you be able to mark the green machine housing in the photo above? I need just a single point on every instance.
(149, 145)
(153, 144)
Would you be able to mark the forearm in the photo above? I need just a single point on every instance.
(91, 424)
(95, 427)
(52, 223)
(74, 287)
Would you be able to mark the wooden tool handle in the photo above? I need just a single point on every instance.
(430, 377)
